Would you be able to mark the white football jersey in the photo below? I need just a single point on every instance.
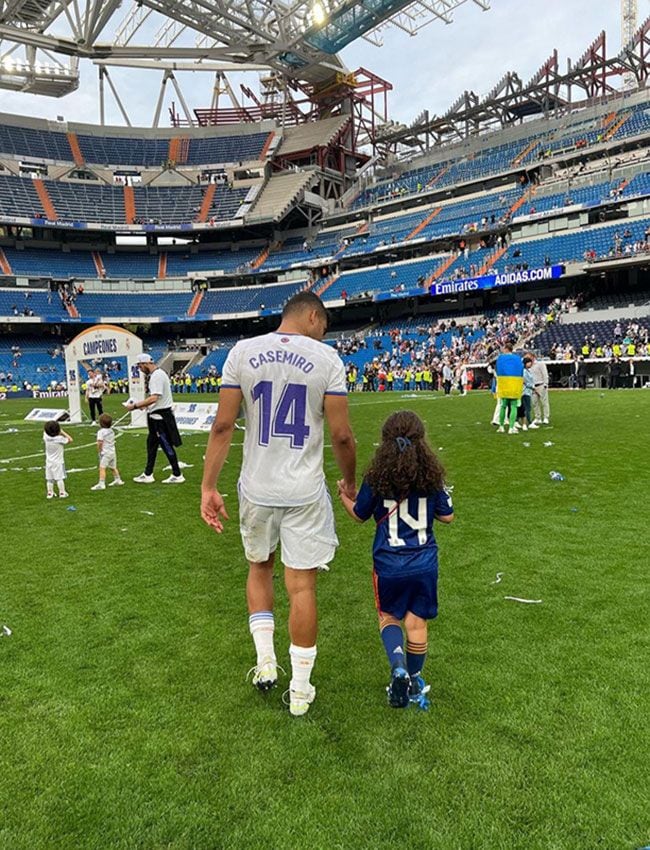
(107, 437)
(284, 379)
(54, 448)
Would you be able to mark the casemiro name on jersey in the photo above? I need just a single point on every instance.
(282, 356)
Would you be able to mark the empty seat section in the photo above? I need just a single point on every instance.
(19, 198)
(130, 265)
(222, 149)
(123, 304)
(41, 262)
(36, 144)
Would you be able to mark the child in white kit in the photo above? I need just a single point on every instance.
(107, 455)
(55, 439)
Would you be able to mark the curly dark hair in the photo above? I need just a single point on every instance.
(404, 462)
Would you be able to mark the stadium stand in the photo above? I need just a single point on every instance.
(39, 143)
(247, 299)
(84, 201)
(598, 333)
(55, 263)
(124, 304)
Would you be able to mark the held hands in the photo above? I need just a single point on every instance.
(213, 509)
(346, 491)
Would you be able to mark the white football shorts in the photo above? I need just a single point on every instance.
(54, 471)
(306, 533)
(108, 460)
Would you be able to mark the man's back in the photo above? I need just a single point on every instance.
(283, 379)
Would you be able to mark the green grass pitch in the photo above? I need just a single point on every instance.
(126, 722)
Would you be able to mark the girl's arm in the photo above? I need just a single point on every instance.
(348, 503)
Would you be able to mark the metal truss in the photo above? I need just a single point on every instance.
(41, 41)
(550, 91)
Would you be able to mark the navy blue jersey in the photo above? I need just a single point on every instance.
(404, 540)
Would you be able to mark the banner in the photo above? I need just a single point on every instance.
(194, 417)
(453, 287)
(45, 414)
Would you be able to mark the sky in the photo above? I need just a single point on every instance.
(428, 71)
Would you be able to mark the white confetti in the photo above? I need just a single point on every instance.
(497, 580)
(5, 631)
(181, 464)
(526, 445)
(148, 513)
(548, 444)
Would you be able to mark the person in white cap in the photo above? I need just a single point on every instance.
(161, 423)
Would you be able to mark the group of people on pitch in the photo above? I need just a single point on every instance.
(520, 384)
(288, 383)
(162, 433)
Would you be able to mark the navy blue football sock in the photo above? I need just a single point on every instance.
(416, 655)
(393, 641)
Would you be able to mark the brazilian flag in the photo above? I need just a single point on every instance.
(510, 376)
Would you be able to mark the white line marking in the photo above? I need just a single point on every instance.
(527, 601)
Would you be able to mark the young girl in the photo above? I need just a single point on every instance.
(55, 439)
(404, 490)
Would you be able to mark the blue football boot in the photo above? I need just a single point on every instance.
(418, 691)
(398, 689)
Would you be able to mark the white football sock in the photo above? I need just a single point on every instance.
(302, 663)
(262, 626)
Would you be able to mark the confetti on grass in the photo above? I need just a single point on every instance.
(525, 601)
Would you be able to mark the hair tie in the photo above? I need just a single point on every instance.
(403, 443)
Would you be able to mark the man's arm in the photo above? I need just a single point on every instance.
(343, 445)
(147, 402)
(212, 504)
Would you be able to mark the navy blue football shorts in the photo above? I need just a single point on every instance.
(417, 593)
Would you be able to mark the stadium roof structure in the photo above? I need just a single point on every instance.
(550, 91)
(42, 41)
